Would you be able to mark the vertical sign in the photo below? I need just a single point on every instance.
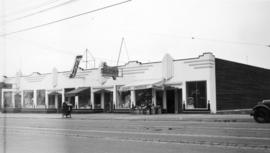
(75, 67)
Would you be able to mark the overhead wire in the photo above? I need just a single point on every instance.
(40, 11)
(212, 40)
(63, 19)
(27, 9)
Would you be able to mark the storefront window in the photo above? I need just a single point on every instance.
(84, 101)
(8, 99)
(196, 95)
(124, 101)
(40, 98)
(28, 100)
(144, 97)
(18, 99)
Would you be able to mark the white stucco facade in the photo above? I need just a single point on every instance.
(169, 76)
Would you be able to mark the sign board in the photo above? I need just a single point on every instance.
(75, 67)
(109, 71)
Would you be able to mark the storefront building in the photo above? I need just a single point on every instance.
(203, 84)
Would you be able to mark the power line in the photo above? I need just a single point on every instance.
(212, 40)
(63, 19)
(40, 11)
(29, 8)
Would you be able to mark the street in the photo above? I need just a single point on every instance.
(125, 133)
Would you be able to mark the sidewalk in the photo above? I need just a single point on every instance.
(161, 117)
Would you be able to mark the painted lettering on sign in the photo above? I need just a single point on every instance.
(75, 67)
(108, 71)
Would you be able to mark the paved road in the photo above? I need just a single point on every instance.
(98, 133)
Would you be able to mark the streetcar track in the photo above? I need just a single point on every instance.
(151, 140)
(143, 133)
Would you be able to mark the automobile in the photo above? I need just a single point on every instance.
(261, 112)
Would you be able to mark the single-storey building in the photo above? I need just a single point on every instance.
(202, 84)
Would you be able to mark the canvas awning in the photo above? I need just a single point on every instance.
(102, 88)
(53, 93)
(77, 91)
(142, 84)
(174, 85)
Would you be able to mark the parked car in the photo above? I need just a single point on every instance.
(261, 112)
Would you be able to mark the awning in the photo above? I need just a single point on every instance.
(53, 93)
(174, 85)
(77, 91)
(98, 89)
(142, 84)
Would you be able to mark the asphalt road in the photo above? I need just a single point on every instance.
(126, 134)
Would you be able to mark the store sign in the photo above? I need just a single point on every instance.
(75, 67)
(108, 71)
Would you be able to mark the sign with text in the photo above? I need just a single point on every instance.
(75, 67)
(108, 71)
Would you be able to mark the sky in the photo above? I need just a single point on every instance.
(236, 30)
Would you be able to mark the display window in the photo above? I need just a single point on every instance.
(28, 99)
(196, 95)
(41, 98)
(7, 99)
(125, 101)
(144, 97)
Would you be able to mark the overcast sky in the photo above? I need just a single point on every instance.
(236, 30)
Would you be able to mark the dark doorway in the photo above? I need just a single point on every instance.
(159, 98)
(170, 101)
(97, 100)
(108, 102)
(70, 99)
(18, 100)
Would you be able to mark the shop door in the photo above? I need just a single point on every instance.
(108, 102)
(170, 101)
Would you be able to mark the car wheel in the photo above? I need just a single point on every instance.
(261, 115)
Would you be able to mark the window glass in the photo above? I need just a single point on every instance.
(124, 101)
(40, 98)
(28, 100)
(8, 99)
(196, 95)
(143, 97)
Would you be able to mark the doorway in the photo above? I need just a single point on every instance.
(108, 102)
(170, 101)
